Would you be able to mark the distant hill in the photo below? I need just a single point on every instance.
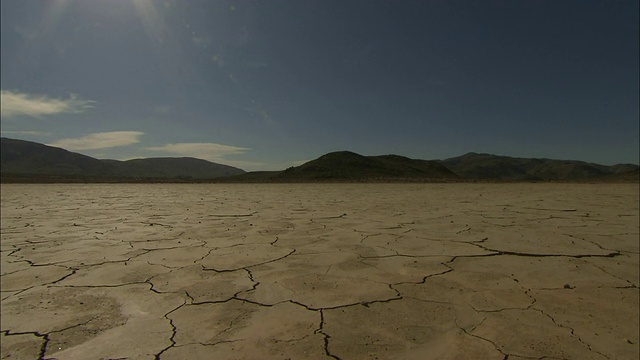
(348, 166)
(30, 158)
(494, 167)
(26, 157)
(185, 167)
(627, 177)
(26, 161)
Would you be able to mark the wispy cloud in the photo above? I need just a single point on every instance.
(152, 21)
(100, 140)
(207, 151)
(19, 104)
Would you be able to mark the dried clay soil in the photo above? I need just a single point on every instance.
(320, 271)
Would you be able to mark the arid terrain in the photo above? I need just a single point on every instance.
(311, 271)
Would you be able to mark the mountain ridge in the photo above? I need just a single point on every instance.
(31, 158)
(26, 161)
(482, 166)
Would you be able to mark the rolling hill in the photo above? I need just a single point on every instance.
(494, 167)
(26, 157)
(19, 157)
(25, 161)
(345, 166)
(184, 167)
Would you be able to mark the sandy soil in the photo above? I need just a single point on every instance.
(402, 271)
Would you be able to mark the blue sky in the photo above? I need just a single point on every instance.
(264, 85)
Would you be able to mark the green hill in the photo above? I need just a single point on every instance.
(494, 167)
(345, 166)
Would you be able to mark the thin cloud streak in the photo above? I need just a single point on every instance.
(152, 22)
(100, 140)
(207, 151)
(14, 104)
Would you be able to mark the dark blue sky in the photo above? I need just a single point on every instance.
(269, 84)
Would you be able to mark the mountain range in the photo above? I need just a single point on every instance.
(25, 161)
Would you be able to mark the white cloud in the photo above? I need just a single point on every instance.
(207, 151)
(100, 140)
(17, 104)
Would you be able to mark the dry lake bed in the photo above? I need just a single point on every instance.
(342, 271)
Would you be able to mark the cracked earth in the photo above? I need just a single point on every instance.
(341, 271)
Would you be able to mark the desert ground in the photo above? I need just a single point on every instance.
(313, 271)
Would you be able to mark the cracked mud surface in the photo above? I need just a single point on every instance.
(340, 271)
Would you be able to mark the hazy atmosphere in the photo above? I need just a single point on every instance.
(264, 85)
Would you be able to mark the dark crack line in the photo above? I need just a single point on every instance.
(543, 209)
(17, 292)
(83, 265)
(505, 356)
(111, 286)
(439, 302)
(293, 340)
(515, 253)
(330, 217)
(463, 230)
(173, 334)
(398, 255)
(168, 248)
(253, 287)
(631, 285)
(43, 347)
(424, 278)
(234, 297)
(210, 344)
(148, 281)
(233, 215)
(32, 263)
(526, 292)
(73, 271)
(454, 258)
(253, 265)
(365, 303)
(15, 271)
(589, 241)
(326, 336)
(569, 328)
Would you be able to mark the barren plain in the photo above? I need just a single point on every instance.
(313, 271)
